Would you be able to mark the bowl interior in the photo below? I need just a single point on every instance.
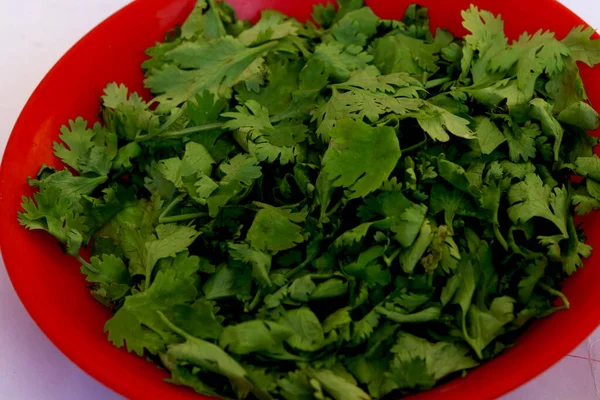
(54, 292)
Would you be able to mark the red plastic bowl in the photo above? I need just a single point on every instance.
(51, 287)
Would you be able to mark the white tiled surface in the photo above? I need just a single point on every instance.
(33, 36)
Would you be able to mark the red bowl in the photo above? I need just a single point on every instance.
(51, 287)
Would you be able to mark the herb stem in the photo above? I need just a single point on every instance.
(566, 305)
(86, 264)
(499, 236)
(299, 268)
(171, 205)
(181, 133)
(206, 127)
(416, 146)
(285, 115)
(255, 300)
(436, 82)
(174, 328)
(388, 260)
(182, 217)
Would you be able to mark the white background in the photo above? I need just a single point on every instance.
(33, 36)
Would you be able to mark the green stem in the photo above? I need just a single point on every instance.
(566, 305)
(181, 133)
(86, 264)
(299, 268)
(203, 128)
(436, 82)
(182, 217)
(256, 300)
(173, 327)
(415, 146)
(499, 236)
(388, 260)
(172, 205)
(284, 115)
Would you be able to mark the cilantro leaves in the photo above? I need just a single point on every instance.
(340, 211)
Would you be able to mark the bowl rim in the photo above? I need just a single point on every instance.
(509, 383)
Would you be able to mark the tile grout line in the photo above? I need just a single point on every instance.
(590, 345)
(583, 358)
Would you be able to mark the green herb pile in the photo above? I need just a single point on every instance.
(338, 210)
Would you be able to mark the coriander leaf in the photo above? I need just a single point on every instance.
(404, 217)
(132, 228)
(71, 187)
(339, 287)
(260, 261)
(521, 141)
(88, 150)
(111, 281)
(127, 114)
(352, 236)
(582, 47)
(260, 138)
(566, 87)
(399, 316)
(110, 270)
(411, 256)
(488, 135)
(458, 177)
(182, 376)
(215, 66)
(212, 358)
(401, 53)
(272, 25)
(301, 289)
(137, 323)
(570, 255)
(581, 115)
(339, 60)
(367, 94)
(200, 319)
(296, 385)
(534, 271)
(203, 21)
(196, 160)
(486, 38)
(542, 111)
(485, 325)
(282, 80)
(585, 204)
(408, 224)
(497, 93)
(54, 213)
(367, 268)
(308, 332)
(419, 363)
(274, 229)
(255, 336)
(227, 282)
(125, 154)
(588, 167)
(339, 318)
(354, 147)
(372, 373)
(356, 27)
(240, 173)
(437, 122)
(364, 327)
(171, 239)
(531, 198)
(451, 202)
(338, 387)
